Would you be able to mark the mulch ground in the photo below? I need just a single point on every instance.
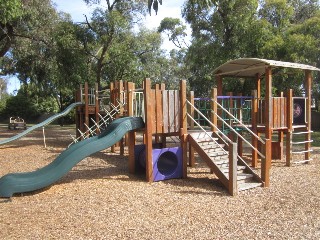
(99, 199)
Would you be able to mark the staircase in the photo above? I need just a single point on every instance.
(217, 158)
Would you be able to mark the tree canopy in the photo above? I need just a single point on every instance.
(51, 55)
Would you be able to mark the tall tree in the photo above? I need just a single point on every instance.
(219, 34)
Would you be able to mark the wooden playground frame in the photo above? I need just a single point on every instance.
(166, 114)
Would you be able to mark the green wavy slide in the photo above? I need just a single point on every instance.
(43, 177)
(45, 122)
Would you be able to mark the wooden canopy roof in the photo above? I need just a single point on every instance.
(250, 67)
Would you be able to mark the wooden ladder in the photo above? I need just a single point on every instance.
(217, 158)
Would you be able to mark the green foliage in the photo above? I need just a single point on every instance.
(284, 30)
(175, 30)
(10, 10)
(28, 107)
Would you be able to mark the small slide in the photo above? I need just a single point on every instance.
(45, 122)
(43, 177)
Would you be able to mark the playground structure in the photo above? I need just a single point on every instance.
(170, 113)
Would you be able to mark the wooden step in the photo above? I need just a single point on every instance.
(240, 169)
(244, 177)
(206, 140)
(220, 158)
(216, 154)
(248, 185)
(199, 135)
(212, 147)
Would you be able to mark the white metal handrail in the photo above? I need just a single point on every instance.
(207, 133)
(201, 114)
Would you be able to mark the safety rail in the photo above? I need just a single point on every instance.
(230, 178)
(91, 96)
(104, 97)
(138, 103)
(225, 138)
(301, 143)
(240, 125)
(239, 106)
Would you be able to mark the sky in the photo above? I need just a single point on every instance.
(77, 9)
(169, 8)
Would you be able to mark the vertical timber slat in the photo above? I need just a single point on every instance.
(148, 129)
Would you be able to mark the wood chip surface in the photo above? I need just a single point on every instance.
(99, 199)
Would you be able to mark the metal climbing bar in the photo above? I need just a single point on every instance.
(236, 132)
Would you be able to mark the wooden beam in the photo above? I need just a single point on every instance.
(191, 109)
(266, 163)
(308, 83)
(183, 126)
(214, 109)
(233, 155)
(268, 102)
(254, 123)
(97, 106)
(131, 134)
(86, 109)
(258, 85)
(289, 126)
(148, 107)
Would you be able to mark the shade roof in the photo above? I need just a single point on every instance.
(249, 67)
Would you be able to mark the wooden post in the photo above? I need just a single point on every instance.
(219, 93)
(289, 127)
(78, 111)
(266, 163)
(231, 134)
(214, 109)
(148, 108)
(183, 126)
(163, 137)
(254, 123)
(159, 112)
(233, 190)
(86, 110)
(131, 134)
(258, 85)
(308, 82)
(192, 161)
(120, 96)
(113, 100)
(97, 106)
(191, 110)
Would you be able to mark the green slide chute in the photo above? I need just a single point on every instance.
(43, 177)
(45, 122)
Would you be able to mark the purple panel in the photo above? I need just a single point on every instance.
(167, 162)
